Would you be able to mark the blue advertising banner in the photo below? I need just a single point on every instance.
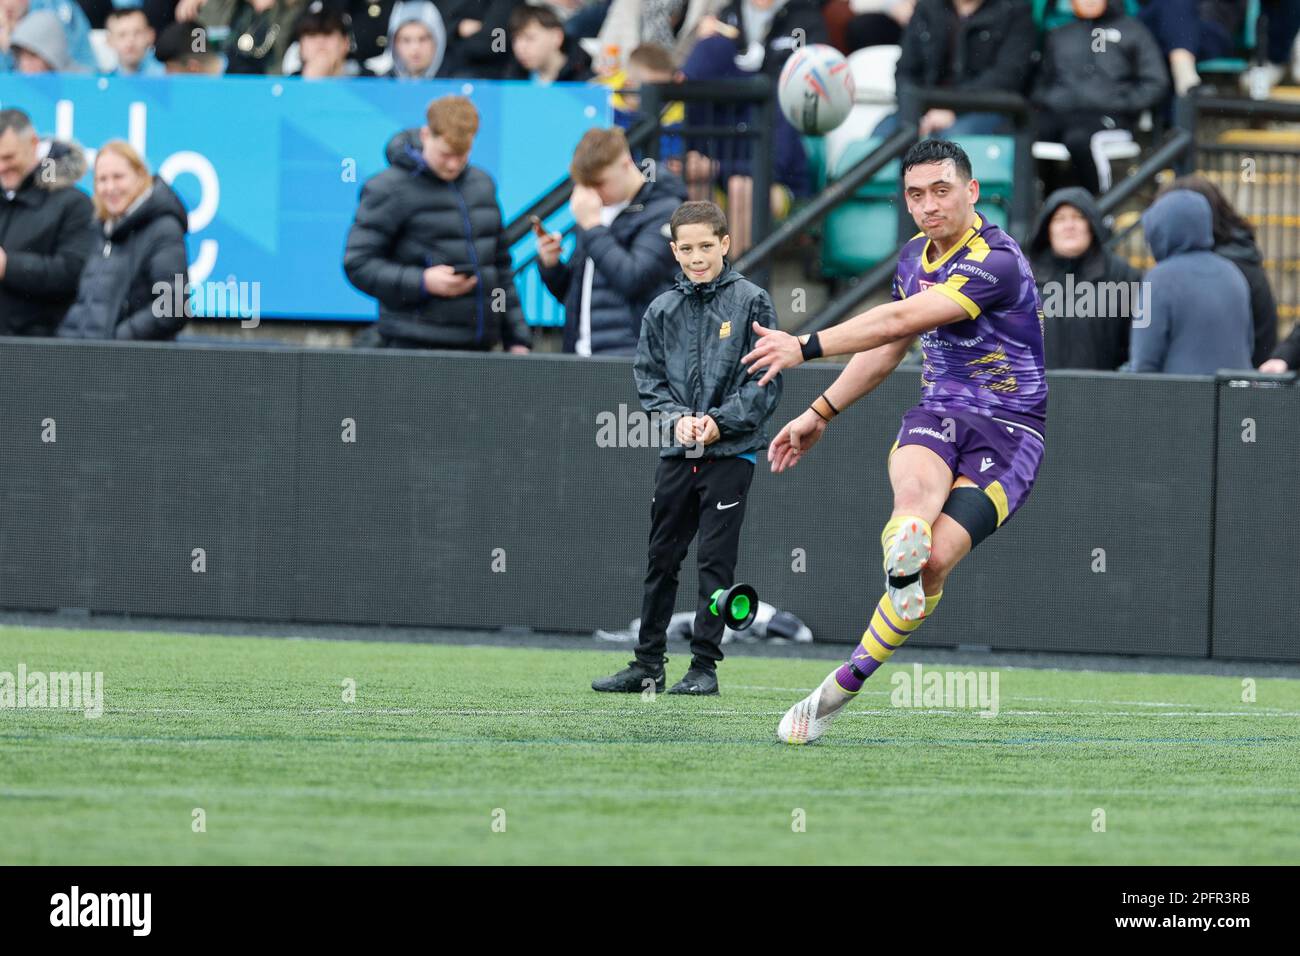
(271, 168)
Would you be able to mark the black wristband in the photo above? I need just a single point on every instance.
(812, 348)
(830, 403)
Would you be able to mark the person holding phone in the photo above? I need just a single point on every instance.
(623, 258)
(429, 244)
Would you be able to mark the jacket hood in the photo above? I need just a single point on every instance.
(66, 162)
(1081, 200)
(1179, 221)
(417, 11)
(161, 201)
(707, 290)
(1240, 247)
(405, 153)
(41, 32)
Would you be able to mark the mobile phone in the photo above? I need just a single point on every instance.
(463, 270)
(538, 228)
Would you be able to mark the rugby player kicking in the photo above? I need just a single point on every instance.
(967, 455)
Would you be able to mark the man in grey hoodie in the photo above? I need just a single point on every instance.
(417, 38)
(1198, 311)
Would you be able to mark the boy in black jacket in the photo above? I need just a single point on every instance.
(688, 369)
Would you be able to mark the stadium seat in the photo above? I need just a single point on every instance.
(863, 230)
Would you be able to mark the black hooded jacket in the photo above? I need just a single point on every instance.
(688, 360)
(119, 295)
(1120, 79)
(410, 219)
(995, 48)
(632, 263)
(45, 231)
(1071, 340)
(1240, 249)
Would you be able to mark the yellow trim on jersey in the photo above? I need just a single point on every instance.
(998, 495)
(971, 233)
(979, 249)
(960, 298)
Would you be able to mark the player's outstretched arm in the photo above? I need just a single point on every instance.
(892, 322)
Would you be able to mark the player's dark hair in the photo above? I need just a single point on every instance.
(938, 151)
(692, 213)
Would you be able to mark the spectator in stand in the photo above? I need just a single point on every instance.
(1072, 266)
(259, 30)
(39, 45)
(368, 25)
(183, 48)
(650, 64)
(967, 45)
(479, 32)
(877, 23)
(541, 51)
(1191, 30)
(418, 39)
(622, 259)
(671, 24)
(1092, 84)
(1234, 239)
(45, 234)
(1198, 317)
(428, 242)
(72, 23)
(142, 223)
(322, 41)
(747, 38)
(131, 39)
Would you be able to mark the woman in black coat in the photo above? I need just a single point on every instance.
(135, 278)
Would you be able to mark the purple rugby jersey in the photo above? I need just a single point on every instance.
(991, 363)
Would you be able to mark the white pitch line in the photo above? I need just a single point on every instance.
(717, 712)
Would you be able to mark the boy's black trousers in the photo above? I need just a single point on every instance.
(692, 494)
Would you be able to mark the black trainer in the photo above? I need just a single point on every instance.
(696, 681)
(631, 680)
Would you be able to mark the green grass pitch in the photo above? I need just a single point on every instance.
(444, 745)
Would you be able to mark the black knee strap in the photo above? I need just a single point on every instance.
(973, 510)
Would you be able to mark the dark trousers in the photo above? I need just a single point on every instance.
(1176, 25)
(692, 495)
(1075, 131)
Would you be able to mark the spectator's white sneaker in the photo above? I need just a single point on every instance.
(907, 554)
(801, 723)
